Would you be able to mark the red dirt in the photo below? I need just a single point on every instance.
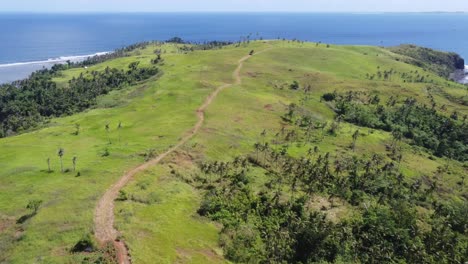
(268, 107)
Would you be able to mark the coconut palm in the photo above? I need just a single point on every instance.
(48, 165)
(107, 127)
(355, 137)
(74, 163)
(119, 127)
(60, 153)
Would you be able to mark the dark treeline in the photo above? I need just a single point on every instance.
(28, 103)
(275, 223)
(422, 124)
(118, 53)
(196, 45)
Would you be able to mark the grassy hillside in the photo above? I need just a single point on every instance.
(157, 213)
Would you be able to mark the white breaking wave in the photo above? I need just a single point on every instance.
(58, 60)
(465, 80)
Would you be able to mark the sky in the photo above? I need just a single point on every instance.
(233, 5)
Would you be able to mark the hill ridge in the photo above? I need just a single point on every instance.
(104, 213)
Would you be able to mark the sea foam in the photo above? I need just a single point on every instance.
(58, 60)
(465, 79)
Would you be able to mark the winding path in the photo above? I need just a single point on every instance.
(104, 229)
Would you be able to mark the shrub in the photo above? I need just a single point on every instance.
(85, 244)
(294, 86)
(329, 97)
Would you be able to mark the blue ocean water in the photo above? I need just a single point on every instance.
(28, 41)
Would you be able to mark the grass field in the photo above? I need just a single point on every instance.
(160, 223)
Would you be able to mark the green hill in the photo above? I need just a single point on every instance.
(305, 152)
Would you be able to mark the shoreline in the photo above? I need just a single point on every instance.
(10, 72)
(72, 58)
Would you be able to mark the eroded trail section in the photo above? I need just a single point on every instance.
(104, 229)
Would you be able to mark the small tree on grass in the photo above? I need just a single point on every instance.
(34, 206)
(60, 153)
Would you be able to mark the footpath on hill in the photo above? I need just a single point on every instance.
(104, 229)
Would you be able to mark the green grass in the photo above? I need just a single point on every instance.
(160, 222)
(155, 118)
(155, 114)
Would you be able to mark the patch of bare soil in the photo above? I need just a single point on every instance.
(268, 107)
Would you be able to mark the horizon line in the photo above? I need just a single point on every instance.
(233, 12)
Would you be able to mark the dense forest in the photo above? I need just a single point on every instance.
(278, 208)
(394, 219)
(423, 125)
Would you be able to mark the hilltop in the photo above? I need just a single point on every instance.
(262, 150)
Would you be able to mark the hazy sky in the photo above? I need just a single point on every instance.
(232, 5)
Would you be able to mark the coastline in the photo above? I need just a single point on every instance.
(62, 59)
(10, 72)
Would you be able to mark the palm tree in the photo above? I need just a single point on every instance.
(265, 147)
(119, 127)
(355, 136)
(257, 148)
(60, 153)
(107, 132)
(48, 165)
(74, 163)
(77, 129)
(263, 134)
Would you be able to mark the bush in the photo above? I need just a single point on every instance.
(85, 244)
(294, 86)
(106, 153)
(329, 97)
(122, 196)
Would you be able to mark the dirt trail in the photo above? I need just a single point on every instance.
(104, 213)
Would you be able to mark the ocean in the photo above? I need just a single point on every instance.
(31, 41)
